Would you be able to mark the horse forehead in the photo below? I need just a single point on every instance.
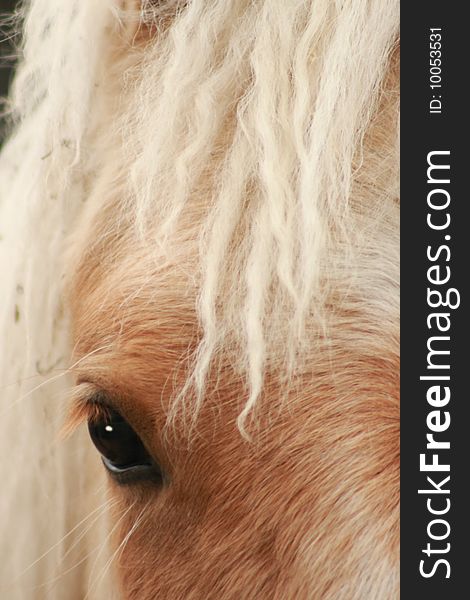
(125, 296)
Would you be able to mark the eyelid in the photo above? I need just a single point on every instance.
(87, 402)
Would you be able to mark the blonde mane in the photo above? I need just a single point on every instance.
(284, 140)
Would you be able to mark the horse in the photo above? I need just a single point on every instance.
(199, 225)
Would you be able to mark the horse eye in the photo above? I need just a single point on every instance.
(122, 451)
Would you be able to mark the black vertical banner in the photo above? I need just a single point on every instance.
(435, 269)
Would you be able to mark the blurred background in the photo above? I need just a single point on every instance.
(7, 55)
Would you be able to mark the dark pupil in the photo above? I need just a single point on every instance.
(119, 444)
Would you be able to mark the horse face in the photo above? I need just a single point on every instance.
(301, 509)
(301, 500)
